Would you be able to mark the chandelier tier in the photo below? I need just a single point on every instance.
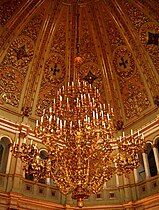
(82, 153)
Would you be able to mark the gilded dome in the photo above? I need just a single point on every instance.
(119, 47)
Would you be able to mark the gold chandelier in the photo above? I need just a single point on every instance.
(82, 153)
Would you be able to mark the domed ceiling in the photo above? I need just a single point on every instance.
(119, 47)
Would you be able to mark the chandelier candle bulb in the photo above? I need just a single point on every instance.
(93, 114)
(138, 133)
(50, 109)
(123, 134)
(64, 124)
(71, 125)
(131, 132)
(24, 141)
(61, 124)
(50, 119)
(31, 142)
(97, 115)
(42, 119)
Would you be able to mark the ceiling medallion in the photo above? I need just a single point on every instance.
(90, 77)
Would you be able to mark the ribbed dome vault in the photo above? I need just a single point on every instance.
(119, 46)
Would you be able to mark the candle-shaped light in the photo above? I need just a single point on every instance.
(24, 141)
(54, 102)
(131, 132)
(50, 109)
(64, 124)
(96, 114)
(60, 124)
(57, 121)
(108, 116)
(93, 114)
(71, 125)
(123, 134)
(31, 142)
(50, 119)
(138, 133)
(37, 123)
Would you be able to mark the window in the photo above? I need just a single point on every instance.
(151, 160)
(4, 153)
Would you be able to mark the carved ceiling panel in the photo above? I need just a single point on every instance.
(119, 48)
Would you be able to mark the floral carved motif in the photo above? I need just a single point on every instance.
(133, 92)
(153, 48)
(136, 101)
(20, 53)
(7, 9)
(13, 69)
(54, 75)
(10, 85)
(87, 46)
(55, 68)
(124, 62)
(136, 16)
(33, 27)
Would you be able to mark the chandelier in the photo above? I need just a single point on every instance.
(78, 134)
(82, 152)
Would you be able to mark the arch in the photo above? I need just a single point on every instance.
(43, 155)
(5, 154)
(30, 176)
(156, 142)
(151, 160)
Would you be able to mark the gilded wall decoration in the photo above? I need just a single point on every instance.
(130, 82)
(7, 9)
(58, 44)
(88, 53)
(11, 84)
(124, 63)
(14, 69)
(136, 15)
(149, 36)
(54, 76)
(87, 45)
(152, 7)
(73, 1)
(33, 27)
(55, 67)
(146, 68)
(54, 71)
(92, 74)
(19, 53)
(136, 101)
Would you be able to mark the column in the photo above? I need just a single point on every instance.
(146, 165)
(156, 155)
(136, 175)
(117, 180)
